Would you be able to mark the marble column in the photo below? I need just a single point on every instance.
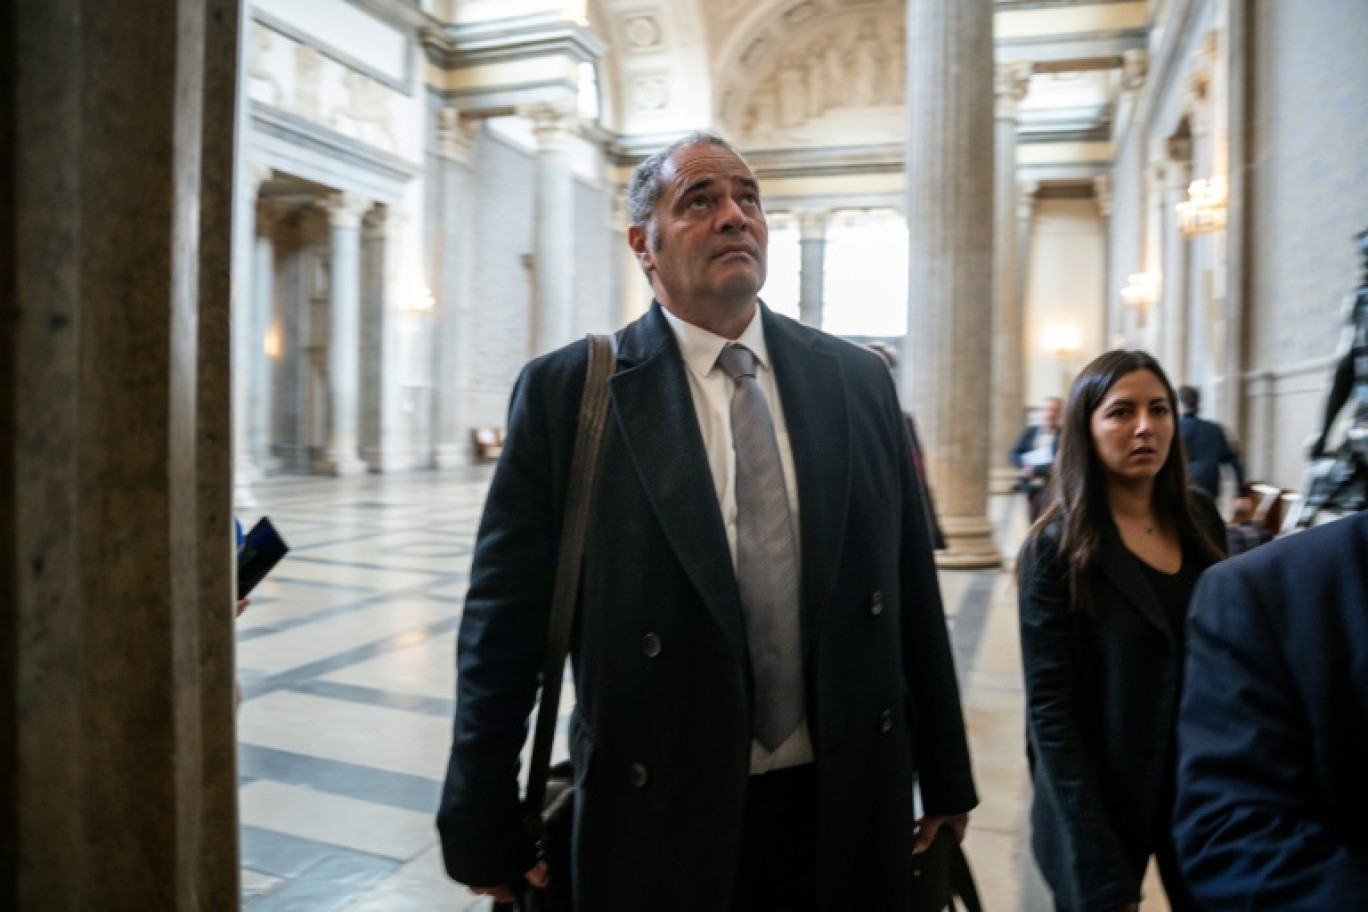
(553, 322)
(812, 269)
(1102, 196)
(117, 757)
(1174, 316)
(255, 359)
(1010, 85)
(379, 389)
(946, 378)
(454, 285)
(246, 469)
(344, 335)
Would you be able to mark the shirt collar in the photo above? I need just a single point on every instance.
(700, 347)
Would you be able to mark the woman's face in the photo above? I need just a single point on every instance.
(1132, 428)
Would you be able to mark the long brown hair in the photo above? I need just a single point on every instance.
(1077, 491)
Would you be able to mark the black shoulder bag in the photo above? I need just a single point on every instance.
(549, 801)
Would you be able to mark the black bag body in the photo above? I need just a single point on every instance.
(940, 874)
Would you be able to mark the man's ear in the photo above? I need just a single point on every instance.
(638, 237)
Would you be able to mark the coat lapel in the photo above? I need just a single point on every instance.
(1123, 569)
(655, 413)
(813, 392)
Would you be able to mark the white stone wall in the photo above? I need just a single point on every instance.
(1063, 295)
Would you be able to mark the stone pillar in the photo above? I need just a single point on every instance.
(117, 757)
(947, 374)
(453, 282)
(1102, 195)
(812, 270)
(344, 335)
(379, 377)
(255, 360)
(1010, 85)
(246, 469)
(1174, 317)
(553, 322)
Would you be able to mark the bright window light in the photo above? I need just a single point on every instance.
(866, 274)
(781, 291)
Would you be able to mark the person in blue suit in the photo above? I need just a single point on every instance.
(1272, 803)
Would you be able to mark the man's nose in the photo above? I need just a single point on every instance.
(731, 215)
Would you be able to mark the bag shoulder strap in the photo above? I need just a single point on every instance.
(583, 465)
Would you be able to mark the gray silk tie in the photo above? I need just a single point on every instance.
(766, 557)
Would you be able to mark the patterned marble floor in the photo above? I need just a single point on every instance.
(346, 660)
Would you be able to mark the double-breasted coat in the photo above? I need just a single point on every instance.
(1102, 690)
(661, 734)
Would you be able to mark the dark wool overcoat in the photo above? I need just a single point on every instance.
(661, 734)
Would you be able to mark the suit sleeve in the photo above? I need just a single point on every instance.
(1247, 826)
(1023, 446)
(500, 647)
(1065, 780)
(944, 773)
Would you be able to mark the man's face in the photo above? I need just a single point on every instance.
(1049, 413)
(708, 248)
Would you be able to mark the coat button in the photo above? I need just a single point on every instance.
(876, 604)
(636, 775)
(886, 721)
(650, 645)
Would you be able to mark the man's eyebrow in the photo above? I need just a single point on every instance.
(699, 184)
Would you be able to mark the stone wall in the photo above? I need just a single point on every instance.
(1309, 169)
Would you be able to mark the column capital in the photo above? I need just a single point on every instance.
(812, 223)
(267, 211)
(1102, 191)
(1011, 82)
(254, 174)
(1156, 170)
(1026, 198)
(456, 136)
(553, 122)
(1134, 69)
(345, 209)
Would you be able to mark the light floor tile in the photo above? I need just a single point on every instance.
(402, 551)
(378, 737)
(426, 670)
(309, 643)
(303, 568)
(419, 886)
(375, 829)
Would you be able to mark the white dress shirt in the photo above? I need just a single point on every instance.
(712, 391)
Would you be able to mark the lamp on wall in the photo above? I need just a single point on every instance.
(1064, 342)
(417, 299)
(1141, 292)
(1205, 207)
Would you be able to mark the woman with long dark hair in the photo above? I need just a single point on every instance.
(1104, 580)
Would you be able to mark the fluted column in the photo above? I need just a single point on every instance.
(950, 257)
(1173, 347)
(254, 359)
(812, 269)
(1010, 85)
(455, 229)
(553, 315)
(344, 335)
(1102, 196)
(245, 466)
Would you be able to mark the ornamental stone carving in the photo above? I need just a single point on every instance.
(258, 64)
(456, 136)
(853, 62)
(308, 81)
(1011, 82)
(367, 111)
(641, 32)
(1134, 69)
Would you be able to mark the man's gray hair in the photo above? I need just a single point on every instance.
(645, 187)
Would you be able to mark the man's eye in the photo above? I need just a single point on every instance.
(750, 199)
(698, 202)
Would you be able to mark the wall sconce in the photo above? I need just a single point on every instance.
(1064, 342)
(270, 344)
(1141, 292)
(1205, 207)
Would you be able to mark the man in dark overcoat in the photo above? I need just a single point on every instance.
(680, 804)
(1273, 728)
